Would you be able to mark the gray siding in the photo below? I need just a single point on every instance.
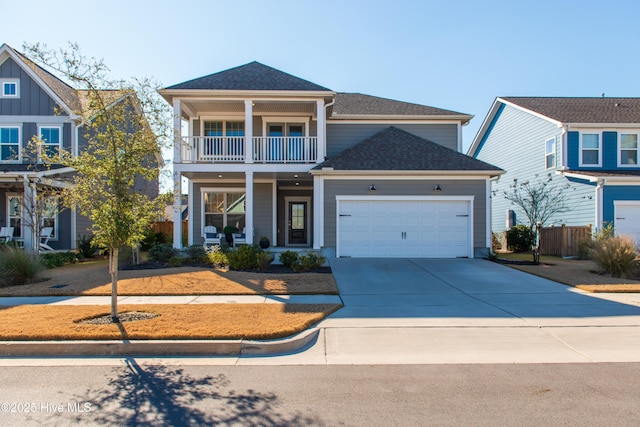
(474, 188)
(263, 211)
(33, 100)
(516, 143)
(342, 136)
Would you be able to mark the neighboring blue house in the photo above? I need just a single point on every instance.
(589, 144)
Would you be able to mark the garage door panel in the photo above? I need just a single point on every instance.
(627, 220)
(404, 228)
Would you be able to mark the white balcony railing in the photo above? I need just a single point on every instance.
(269, 149)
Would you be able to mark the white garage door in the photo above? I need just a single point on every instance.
(627, 219)
(399, 228)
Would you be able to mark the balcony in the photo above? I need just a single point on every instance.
(265, 149)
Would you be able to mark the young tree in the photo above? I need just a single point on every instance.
(121, 160)
(540, 201)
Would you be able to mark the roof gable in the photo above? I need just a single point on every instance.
(393, 149)
(358, 104)
(62, 93)
(251, 76)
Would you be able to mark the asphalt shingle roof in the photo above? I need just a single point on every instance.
(251, 76)
(583, 110)
(350, 104)
(394, 149)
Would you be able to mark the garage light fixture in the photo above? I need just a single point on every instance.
(437, 188)
(372, 187)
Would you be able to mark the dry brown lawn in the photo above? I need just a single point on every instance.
(92, 278)
(580, 274)
(192, 321)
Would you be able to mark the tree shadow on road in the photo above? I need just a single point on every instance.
(164, 395)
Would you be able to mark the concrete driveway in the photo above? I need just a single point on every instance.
(470, 311)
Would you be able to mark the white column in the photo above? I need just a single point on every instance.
(177, 210)
(248, 130)
(28, 216)
(318, 212)
(321, 114)
(248, 220)
(177, 131)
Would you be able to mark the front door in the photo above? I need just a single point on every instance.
(297, 228)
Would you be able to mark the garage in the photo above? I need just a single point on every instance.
(627, 219)
(405, 226)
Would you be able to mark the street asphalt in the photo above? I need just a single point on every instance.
(434, 311)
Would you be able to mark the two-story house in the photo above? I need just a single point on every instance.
(36, 104)
(350, 174)
(588, 145)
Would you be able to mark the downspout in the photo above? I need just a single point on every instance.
(565, 154)
(600, 204)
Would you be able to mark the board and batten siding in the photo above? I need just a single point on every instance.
(33, 100)
(516, 143)
(475, 188)
(343, 136)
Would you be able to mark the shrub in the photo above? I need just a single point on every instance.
(151, 239)
(243, 257)
(176, 261)
(196, 252)
(616, 256)
(520, 238)
(311, 261)
(58, 259)
(17, 266)
(86, 247)
(289, 259)
(216, 256)
(161, 252)
(264, 260)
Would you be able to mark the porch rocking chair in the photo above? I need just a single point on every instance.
(211, 236)
(6, 234)
(45, 235)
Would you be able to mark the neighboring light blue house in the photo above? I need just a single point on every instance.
(589, 144)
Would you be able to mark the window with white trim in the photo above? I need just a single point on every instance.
(49, 215)
(10, 88)
(550, 153)
(14, 214)
(224, 138)
(224, 208)
(51, 138)
(628, 147)
(590, 153)
(9, 143)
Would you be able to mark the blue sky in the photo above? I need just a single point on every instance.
(457, 55)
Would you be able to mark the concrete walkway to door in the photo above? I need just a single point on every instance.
(469, 311)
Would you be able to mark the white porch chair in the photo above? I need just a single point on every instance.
(45, 235)
(240, 238)
(6, 234)
(211, 236)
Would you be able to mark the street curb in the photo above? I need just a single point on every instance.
(157, 348)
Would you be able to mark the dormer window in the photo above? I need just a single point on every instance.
(10, 88)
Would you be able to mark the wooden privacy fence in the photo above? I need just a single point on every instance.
(564, 240)
(166, 227)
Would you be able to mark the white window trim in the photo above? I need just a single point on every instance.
(55, 236)
(203, 190)
(8, 216)
(45, 126)
(10, 81)
(224, 121)
(285, 121)
(630, 132)
(589, 165)
(553, 153)
(19, 159)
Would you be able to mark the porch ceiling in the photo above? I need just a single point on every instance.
(289, 177)
(204, 107)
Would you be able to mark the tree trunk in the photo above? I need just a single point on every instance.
(113, 270)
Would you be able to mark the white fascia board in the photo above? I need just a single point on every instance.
(603, 126)
(605, 180)
(242, 167)
(483, 128)
(355, 118)
(533, 113)
(258, 95)
(332, 174)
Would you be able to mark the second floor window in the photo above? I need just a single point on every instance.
(550, 153)
(628, 149)
(10, 89)
(51, 140)
(590, 149)
(9, 143)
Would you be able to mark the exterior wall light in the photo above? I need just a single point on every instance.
(437, 188)
(372, 187)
